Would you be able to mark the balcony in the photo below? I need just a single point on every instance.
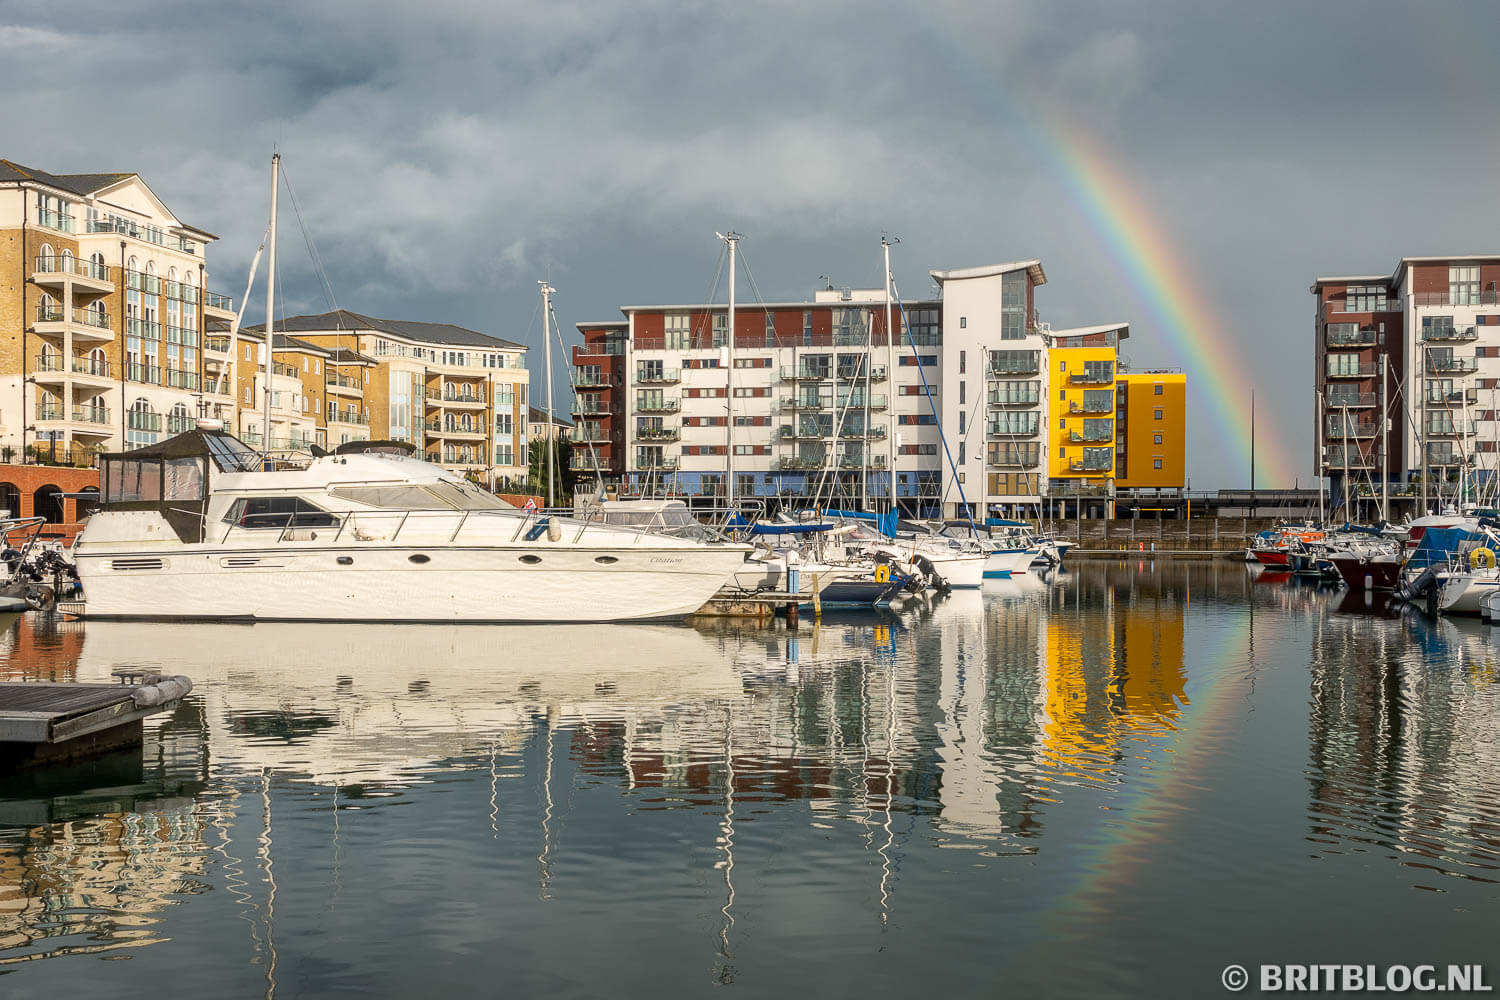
(148, 374)
(1078, 437)
(449, 397)
(288, 370)
(587, 434)
(1458, 430)
(214, 302)
(661, 462)
(218, 387)
(1449, 334)
(666, 376)
(1337, 460)
(91, 367)
(142, 329)
(178, 424)
(449, 429)
(1005, 369)
(799, 403)
(336, 416)
(1351, 371)
(181, 291)
(345, 383)
(864, 433)
(50, 365)
(139, 421)
(594, 409)
(1024, 461)
(60, 221)
(804, 432)
(1456, 297)
(858, 401)
(860, 462)
(217, 345)
(1089, 467)
(657, 434)
(994, 429)
(1031, 398)
(877, 373)
(55, 270)
(1375, 305)
(1087, 407)
(1455, 398)
(1453, 366)
(1335, 429)
(1367, 337)
(1091, 378)
(178, 379)
(791, 374)
(50, 410)
(92, 324)
(658, 406)
(589, 379)
(96, 415)
(1353, 400)
(801, 462)
(184, 335)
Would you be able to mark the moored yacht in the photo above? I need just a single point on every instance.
(194, 527)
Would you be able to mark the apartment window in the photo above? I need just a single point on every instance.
(1013, 306)
(676, 333)
(1157, 388)
(1158, 414)
(1365, 298)
(963, 366)
(721, 329)
(1156, 439)
(961, 421)
(1156, 463)
(963, 322)
(1463, 285)
(925, 360)
(1062, 394)
(1062, 366)
(961, 453)
(962, 393)
(247, 395)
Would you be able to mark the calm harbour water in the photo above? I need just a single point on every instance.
(1114, 781)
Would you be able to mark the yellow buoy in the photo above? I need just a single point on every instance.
(882, 573)
(1482, 559)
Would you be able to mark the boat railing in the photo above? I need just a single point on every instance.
(376, 525)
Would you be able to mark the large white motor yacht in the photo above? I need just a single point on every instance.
(194, 528)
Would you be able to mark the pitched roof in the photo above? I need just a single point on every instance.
(540, 417)
(427, 333)
(79, 184)
(285, 343)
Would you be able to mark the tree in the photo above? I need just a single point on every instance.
(566, 477)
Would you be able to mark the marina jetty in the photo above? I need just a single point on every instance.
(44, 723)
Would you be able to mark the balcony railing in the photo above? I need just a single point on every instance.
(658, 406)
(448, 395)
(861, 462)
(180, 423)
(658, 462)
(1029, 460)
(150, 374)
(995, 429)
(282, 368)
(876, 433)
(140, 281)
(137, 420)
(184, 335)
(1093, 438)
(1090, 466)
(591, 380)
(91, 366)
(657, 433)
(1448, 430)
(179, 379)
(217, 344)
(1343, 305)
(49, 411)
(50, 363)
(1367, 337)
(1352, 400)
(142, 328)
(350, 417)
(1337, 428)
(1087, 407)
(1454, 366)
(1458, 397)
(800, 462)
(585, 409)
(1449, 334)
(91, 414)
(216, 300)
(666, 376)
(1000, 369)
(182, 291)
(1351, 371)
(1030, 398)
(1456, 297)
(1091, 378)
(796, 374)
(858, 401)
(79, 266)
(345, 381)
(61, 221)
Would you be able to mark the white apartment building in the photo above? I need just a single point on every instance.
(815, 402)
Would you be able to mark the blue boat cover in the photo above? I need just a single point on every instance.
(789, 529)
(884, 523)
(1438, 544)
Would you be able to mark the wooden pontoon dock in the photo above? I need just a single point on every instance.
(43, 722)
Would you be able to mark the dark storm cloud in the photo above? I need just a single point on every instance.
(447, 154)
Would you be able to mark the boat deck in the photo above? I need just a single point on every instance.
(43, 721)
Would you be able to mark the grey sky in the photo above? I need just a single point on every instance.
(448, 154)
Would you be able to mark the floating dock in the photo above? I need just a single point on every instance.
(42, 723)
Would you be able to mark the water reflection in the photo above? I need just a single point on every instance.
(1054, 736)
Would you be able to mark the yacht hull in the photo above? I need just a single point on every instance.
(1463, 593)
(1002, 564)
(294, 582)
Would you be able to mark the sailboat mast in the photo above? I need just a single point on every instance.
(1322, 434)
(733, 239)
(547, 291)
(1385, 465)
(270, 304)
(1345, 428)
(890, 374)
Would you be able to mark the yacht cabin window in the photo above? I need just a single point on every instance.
(278, 512)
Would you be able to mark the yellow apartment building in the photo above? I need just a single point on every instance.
(1152, 417)
(1109, 427)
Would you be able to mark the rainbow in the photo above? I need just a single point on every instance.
(1129, 228)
